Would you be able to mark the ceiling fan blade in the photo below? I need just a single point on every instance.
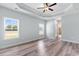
(52, 4)
(41, 8)
(46, 4)
(43, 11)
(50, 9)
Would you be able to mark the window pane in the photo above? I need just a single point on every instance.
(41, 29)
(11, 28)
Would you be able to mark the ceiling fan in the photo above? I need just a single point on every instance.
(47, 7)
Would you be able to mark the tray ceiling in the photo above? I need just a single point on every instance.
(31, 8)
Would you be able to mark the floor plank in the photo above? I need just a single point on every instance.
(45, 47)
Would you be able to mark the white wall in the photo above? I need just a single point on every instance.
(70, 25)
(29, 27)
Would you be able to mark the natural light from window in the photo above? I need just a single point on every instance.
(41, 29)
(11, 28)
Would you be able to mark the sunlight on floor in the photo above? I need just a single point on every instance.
(42, 50)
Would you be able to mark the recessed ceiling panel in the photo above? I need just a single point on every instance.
(31, 8)
(60, 7)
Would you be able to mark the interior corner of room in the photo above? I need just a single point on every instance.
(22, 23)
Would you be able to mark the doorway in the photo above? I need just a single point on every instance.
(58, 30)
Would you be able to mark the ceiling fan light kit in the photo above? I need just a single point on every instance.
(47, 7)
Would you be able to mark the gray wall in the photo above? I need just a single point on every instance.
(50, 29)
(28, 27)
(71, 27)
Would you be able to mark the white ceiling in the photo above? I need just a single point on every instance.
(57, 8)
(31, 8)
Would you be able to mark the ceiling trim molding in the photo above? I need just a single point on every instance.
(32, 12)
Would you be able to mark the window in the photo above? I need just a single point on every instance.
(41, 29)
(11, 28)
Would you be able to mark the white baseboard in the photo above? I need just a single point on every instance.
(6, 46)
(71, 41)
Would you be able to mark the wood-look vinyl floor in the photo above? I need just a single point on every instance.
(45, 47)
